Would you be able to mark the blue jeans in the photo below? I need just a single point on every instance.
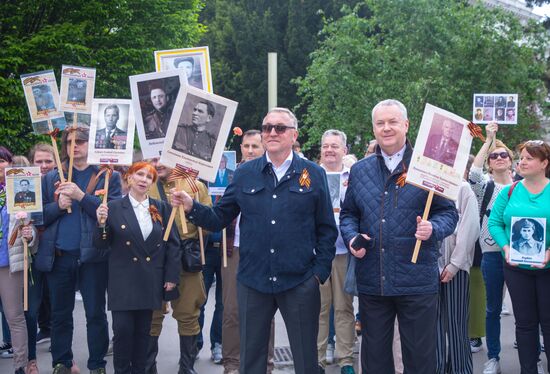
(493, 276)
(213, 267)
(67, 275)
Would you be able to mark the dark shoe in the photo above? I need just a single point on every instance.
(61, 369)
(20, 371)
(43, 337)
(188, 353)
(98, 371)
(348, 369)
(152, 352)
(5, 347)
(321, 370)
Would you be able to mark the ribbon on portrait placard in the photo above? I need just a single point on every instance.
(178, 175)
(475, 131)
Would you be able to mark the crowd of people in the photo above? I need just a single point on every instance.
(296, 243)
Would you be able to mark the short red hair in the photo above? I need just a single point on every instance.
(141, 165)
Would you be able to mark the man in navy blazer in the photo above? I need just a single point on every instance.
(67, 255)
(287, 236)
(387, 214)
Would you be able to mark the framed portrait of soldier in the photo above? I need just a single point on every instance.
(224, 175)
(23, 189)
(111, 132)
(41, 95)
(501, 108)
(528, 240)
(153, 99)
(440, 153)
(333, 180)
(198, 131)
(77, 89)
(44, 127)
(195, 62)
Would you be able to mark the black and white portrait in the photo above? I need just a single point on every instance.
(77, 90)
(25, 192)
(43, 97)
(333, 180)
(527, 240)
(195, 62)
(112, 131)
(156, 100)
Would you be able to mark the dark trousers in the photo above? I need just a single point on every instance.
(130, 340)
(529, 291)
(44, 313)
(91, 279)
(212, 268)
(417, 317)
(300, 308)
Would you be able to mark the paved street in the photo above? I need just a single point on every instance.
(169, 348)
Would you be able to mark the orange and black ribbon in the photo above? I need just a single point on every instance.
(187, 174)
(105, 169)
(54, 132)
(155, 215)
(304, 179)
(475, 131)
(402, 178)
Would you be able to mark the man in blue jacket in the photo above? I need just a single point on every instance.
(287, 236)
(387, 213)
(67, 255)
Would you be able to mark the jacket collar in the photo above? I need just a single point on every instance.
(407, 155)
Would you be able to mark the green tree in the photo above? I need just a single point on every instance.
(421, 51)
(116, 37)
(242, 32)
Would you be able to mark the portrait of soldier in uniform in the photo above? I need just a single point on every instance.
(198, 138)
(25, 195)
(192, 71)
(113, 135)
(77, 90)
(156, 120)
(43, 97)
(527, 237)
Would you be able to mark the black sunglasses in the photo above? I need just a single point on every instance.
(495, 155)
(279, 129)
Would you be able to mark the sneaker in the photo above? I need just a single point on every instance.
(217, 353)
(98, 371)
(504, 311)
(32, 367)
(330, 354)
(491, 367)
(358, 328)
(540, 368)
(78, 296)
(42, 337)
(61, 369)
(110, 349)
(348, 369)
(5, 347)
(476, 345)
(7, 353)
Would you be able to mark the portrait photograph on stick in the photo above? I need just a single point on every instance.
(42, 95)
(111, 132)
(198, 131)
(501, 108)
(195, 62)
(440, 153)
(153, 99)
(334, 188)
(224, 175)
(527, 239)
(77, 89)
(23, 190)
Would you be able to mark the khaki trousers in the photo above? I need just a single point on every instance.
(186, 308)
(332, 293)
(230, 325)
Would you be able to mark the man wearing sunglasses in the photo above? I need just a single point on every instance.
(287, 236)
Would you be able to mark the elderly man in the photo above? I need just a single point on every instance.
(195, 139)
(384, 217)
(156, 121)
(333, 149)
(287, 236)
(442, 147)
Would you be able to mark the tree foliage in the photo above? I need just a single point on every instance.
(116, 37)
(421, 51)
(242, 32)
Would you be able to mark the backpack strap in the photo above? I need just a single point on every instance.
(489, 189)
(512, 189)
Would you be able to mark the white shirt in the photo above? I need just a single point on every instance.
(281, 170)
(393, 160)
(143, 216)
(237, 237)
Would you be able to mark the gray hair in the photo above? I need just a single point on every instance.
(390, 102)
(288, 112)
(333, 132)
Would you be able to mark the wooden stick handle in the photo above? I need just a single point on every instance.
(224, 247)
(106, 188)
(201, 242)
(170, 224)
(25, 275)
(58, 160)
(424, 218)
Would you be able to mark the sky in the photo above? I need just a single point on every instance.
(542, 10)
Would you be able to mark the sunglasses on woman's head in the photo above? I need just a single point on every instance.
(495, 155)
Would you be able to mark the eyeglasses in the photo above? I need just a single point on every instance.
(495, 155)
(279, 129)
